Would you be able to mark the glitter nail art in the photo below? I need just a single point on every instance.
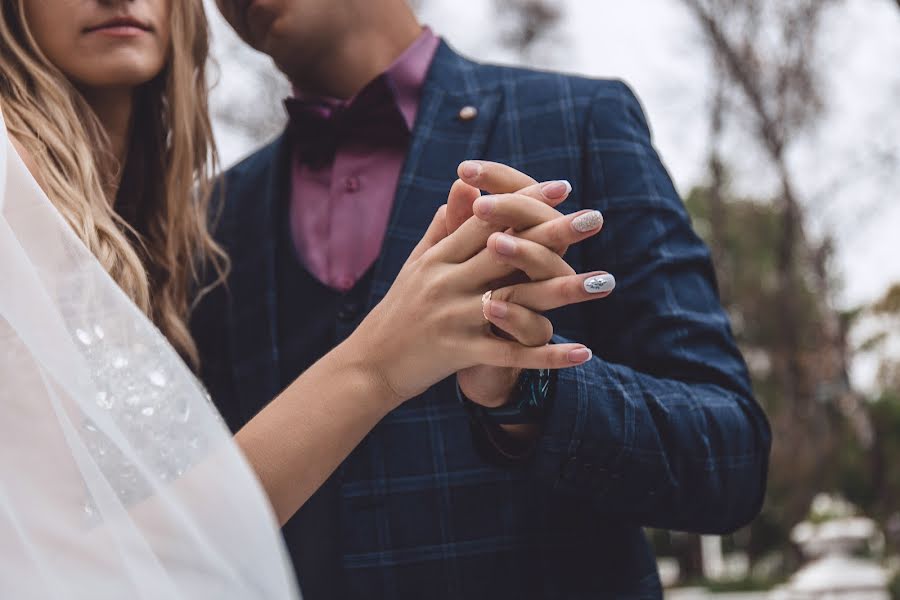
(600, 284)
(587, 222)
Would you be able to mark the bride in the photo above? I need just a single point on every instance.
(117, 477)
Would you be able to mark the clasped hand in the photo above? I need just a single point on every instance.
(435, 320)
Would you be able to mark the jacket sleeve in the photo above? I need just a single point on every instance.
(660, 428)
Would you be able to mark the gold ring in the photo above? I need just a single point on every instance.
(485, 298)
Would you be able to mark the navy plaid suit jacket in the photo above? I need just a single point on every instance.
(660, 429)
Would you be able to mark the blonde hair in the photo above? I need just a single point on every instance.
(149, 229)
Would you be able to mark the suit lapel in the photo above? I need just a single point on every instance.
(441, 140)
(253, 318)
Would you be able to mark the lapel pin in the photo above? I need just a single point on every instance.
(468, 113)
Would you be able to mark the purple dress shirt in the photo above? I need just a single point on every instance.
(339, 210)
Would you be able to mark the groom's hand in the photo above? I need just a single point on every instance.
(493, 386)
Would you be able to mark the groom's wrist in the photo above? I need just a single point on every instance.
(507, 422)
(490, 387)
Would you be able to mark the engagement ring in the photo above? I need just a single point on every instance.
(484, 300)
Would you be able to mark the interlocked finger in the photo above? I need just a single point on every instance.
(515, 211)
(459, 204)
(536, 261)
(524, 326)
(563, 232)
(502, 353)
(554, 293)
(507, 211)
(493, 178)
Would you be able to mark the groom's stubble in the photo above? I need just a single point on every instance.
(328, 47)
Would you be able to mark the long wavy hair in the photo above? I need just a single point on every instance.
(147, 220)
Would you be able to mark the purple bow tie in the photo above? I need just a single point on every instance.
(372, 118)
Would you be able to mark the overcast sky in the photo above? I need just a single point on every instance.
(653, 45)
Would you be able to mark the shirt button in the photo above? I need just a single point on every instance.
(351, 184)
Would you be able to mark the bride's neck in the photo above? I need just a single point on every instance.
(113, 108)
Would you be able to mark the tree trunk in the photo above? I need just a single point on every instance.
(717, 214)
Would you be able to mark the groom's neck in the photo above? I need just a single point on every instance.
(343, 67)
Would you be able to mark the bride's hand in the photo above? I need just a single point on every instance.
(484, 384)
(431, 323)
(429, 326)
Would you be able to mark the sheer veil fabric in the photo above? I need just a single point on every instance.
(118, 478)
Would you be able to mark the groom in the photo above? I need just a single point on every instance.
(445, 498)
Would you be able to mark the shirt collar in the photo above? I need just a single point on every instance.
(407, 74)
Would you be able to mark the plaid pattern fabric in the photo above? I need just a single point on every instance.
(659, 429)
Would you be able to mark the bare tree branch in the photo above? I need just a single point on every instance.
(764, 54)
(529, 20)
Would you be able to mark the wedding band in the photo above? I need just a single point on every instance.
(484, 300)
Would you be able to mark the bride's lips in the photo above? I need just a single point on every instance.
(121, 27)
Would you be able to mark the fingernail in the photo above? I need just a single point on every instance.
(505, 244)
(589, 221)
(484, 205)
(471, 169)
(582, 355)
(498, 309)
(600, 284)
(554, 190)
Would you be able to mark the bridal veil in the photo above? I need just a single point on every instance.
(118, 479)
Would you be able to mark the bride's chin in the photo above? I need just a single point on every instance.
(125, 76)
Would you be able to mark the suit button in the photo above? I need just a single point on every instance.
(468, 113)
(349, 311)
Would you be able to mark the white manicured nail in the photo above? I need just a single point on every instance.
(588, 221)
(581, 355)
(554, 190)
(600, 284)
